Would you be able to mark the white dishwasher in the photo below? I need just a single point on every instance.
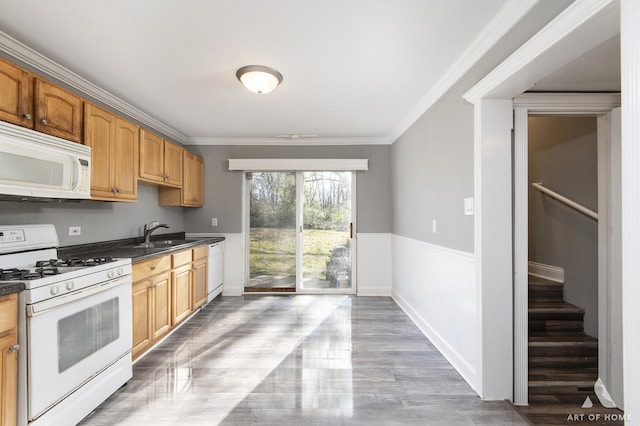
(215, 277)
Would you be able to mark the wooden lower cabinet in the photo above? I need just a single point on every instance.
(151, 303)
(181, 283)
(166, 290)
(199, 278)
(151, 311)
(9, 359)
(199, 275)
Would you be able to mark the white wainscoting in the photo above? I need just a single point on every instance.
(435, 286)
(374, 264)
(234, 257)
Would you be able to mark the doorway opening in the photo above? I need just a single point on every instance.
(301, 228)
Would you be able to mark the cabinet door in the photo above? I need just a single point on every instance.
(58, 112)
(9, 384)
(181, 284)
(151, 157)
(193, 185)
(172, 164)
(142, 317)
(124, 163)
(99, 132)
(161, 305)
(16, 102)
(9, 374)
(199, 283)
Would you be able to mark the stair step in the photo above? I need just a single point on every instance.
(541, 292)
(555, 325)
(588, 374)
(561, 336)
(563, 348)
(552, 387)
(568, 362)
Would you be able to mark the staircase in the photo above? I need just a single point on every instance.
(563, 360)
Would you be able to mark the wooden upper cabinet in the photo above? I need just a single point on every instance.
(192, 192)
(160, 160)
(125, 160)
(193, 185)
(99, 132)
(58, 112)
(173, 164)
(151, 157)
(114, 155)
(16, 102)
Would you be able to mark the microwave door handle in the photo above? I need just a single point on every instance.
(76, 180)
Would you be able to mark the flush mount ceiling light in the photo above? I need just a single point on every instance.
(259, 78)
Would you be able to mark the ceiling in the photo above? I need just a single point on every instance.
(353, 70)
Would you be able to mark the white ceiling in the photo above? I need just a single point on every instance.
(353, 69)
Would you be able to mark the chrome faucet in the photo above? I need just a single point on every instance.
(150, 227)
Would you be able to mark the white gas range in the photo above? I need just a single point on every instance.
(74, 326)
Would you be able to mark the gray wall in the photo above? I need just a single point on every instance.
(432, 162)
(563, 154)
(223, 188)
(100, 221)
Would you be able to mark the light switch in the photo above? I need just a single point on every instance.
(434, 226)
(468, 206)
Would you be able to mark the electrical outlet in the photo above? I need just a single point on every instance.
(75, 231)
(214, 221)
(434, 226)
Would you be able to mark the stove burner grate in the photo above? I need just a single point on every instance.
(15, 274)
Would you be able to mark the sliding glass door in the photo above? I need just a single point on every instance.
(272, 231)
(326, 231)
(301, 232)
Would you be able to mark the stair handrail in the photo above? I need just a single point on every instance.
(569, 202)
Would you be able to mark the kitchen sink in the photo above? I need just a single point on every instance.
(159, 244)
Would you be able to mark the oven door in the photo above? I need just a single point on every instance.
(72, 338)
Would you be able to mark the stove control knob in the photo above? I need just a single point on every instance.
(54, 290)
(110, 274)
(120, 271)
(70, 285)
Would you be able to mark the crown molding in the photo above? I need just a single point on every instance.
(564, 33)
(506, 18)
(568, 103)
(20, 52)
(290, 142)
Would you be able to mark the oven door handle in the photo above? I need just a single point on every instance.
(46, 305)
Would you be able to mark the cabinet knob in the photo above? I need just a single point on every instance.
(44, 121)
(14, 348)
(27, 116)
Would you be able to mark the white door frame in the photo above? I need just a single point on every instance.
(599, 105)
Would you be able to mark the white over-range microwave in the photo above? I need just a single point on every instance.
(34, 165)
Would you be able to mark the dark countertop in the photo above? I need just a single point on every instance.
(11, 287)
(124, 248)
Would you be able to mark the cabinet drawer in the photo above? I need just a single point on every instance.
(8, 312)
(154, 266)
(200, 252)
(181, 258)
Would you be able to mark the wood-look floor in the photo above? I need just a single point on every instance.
(299, 360)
